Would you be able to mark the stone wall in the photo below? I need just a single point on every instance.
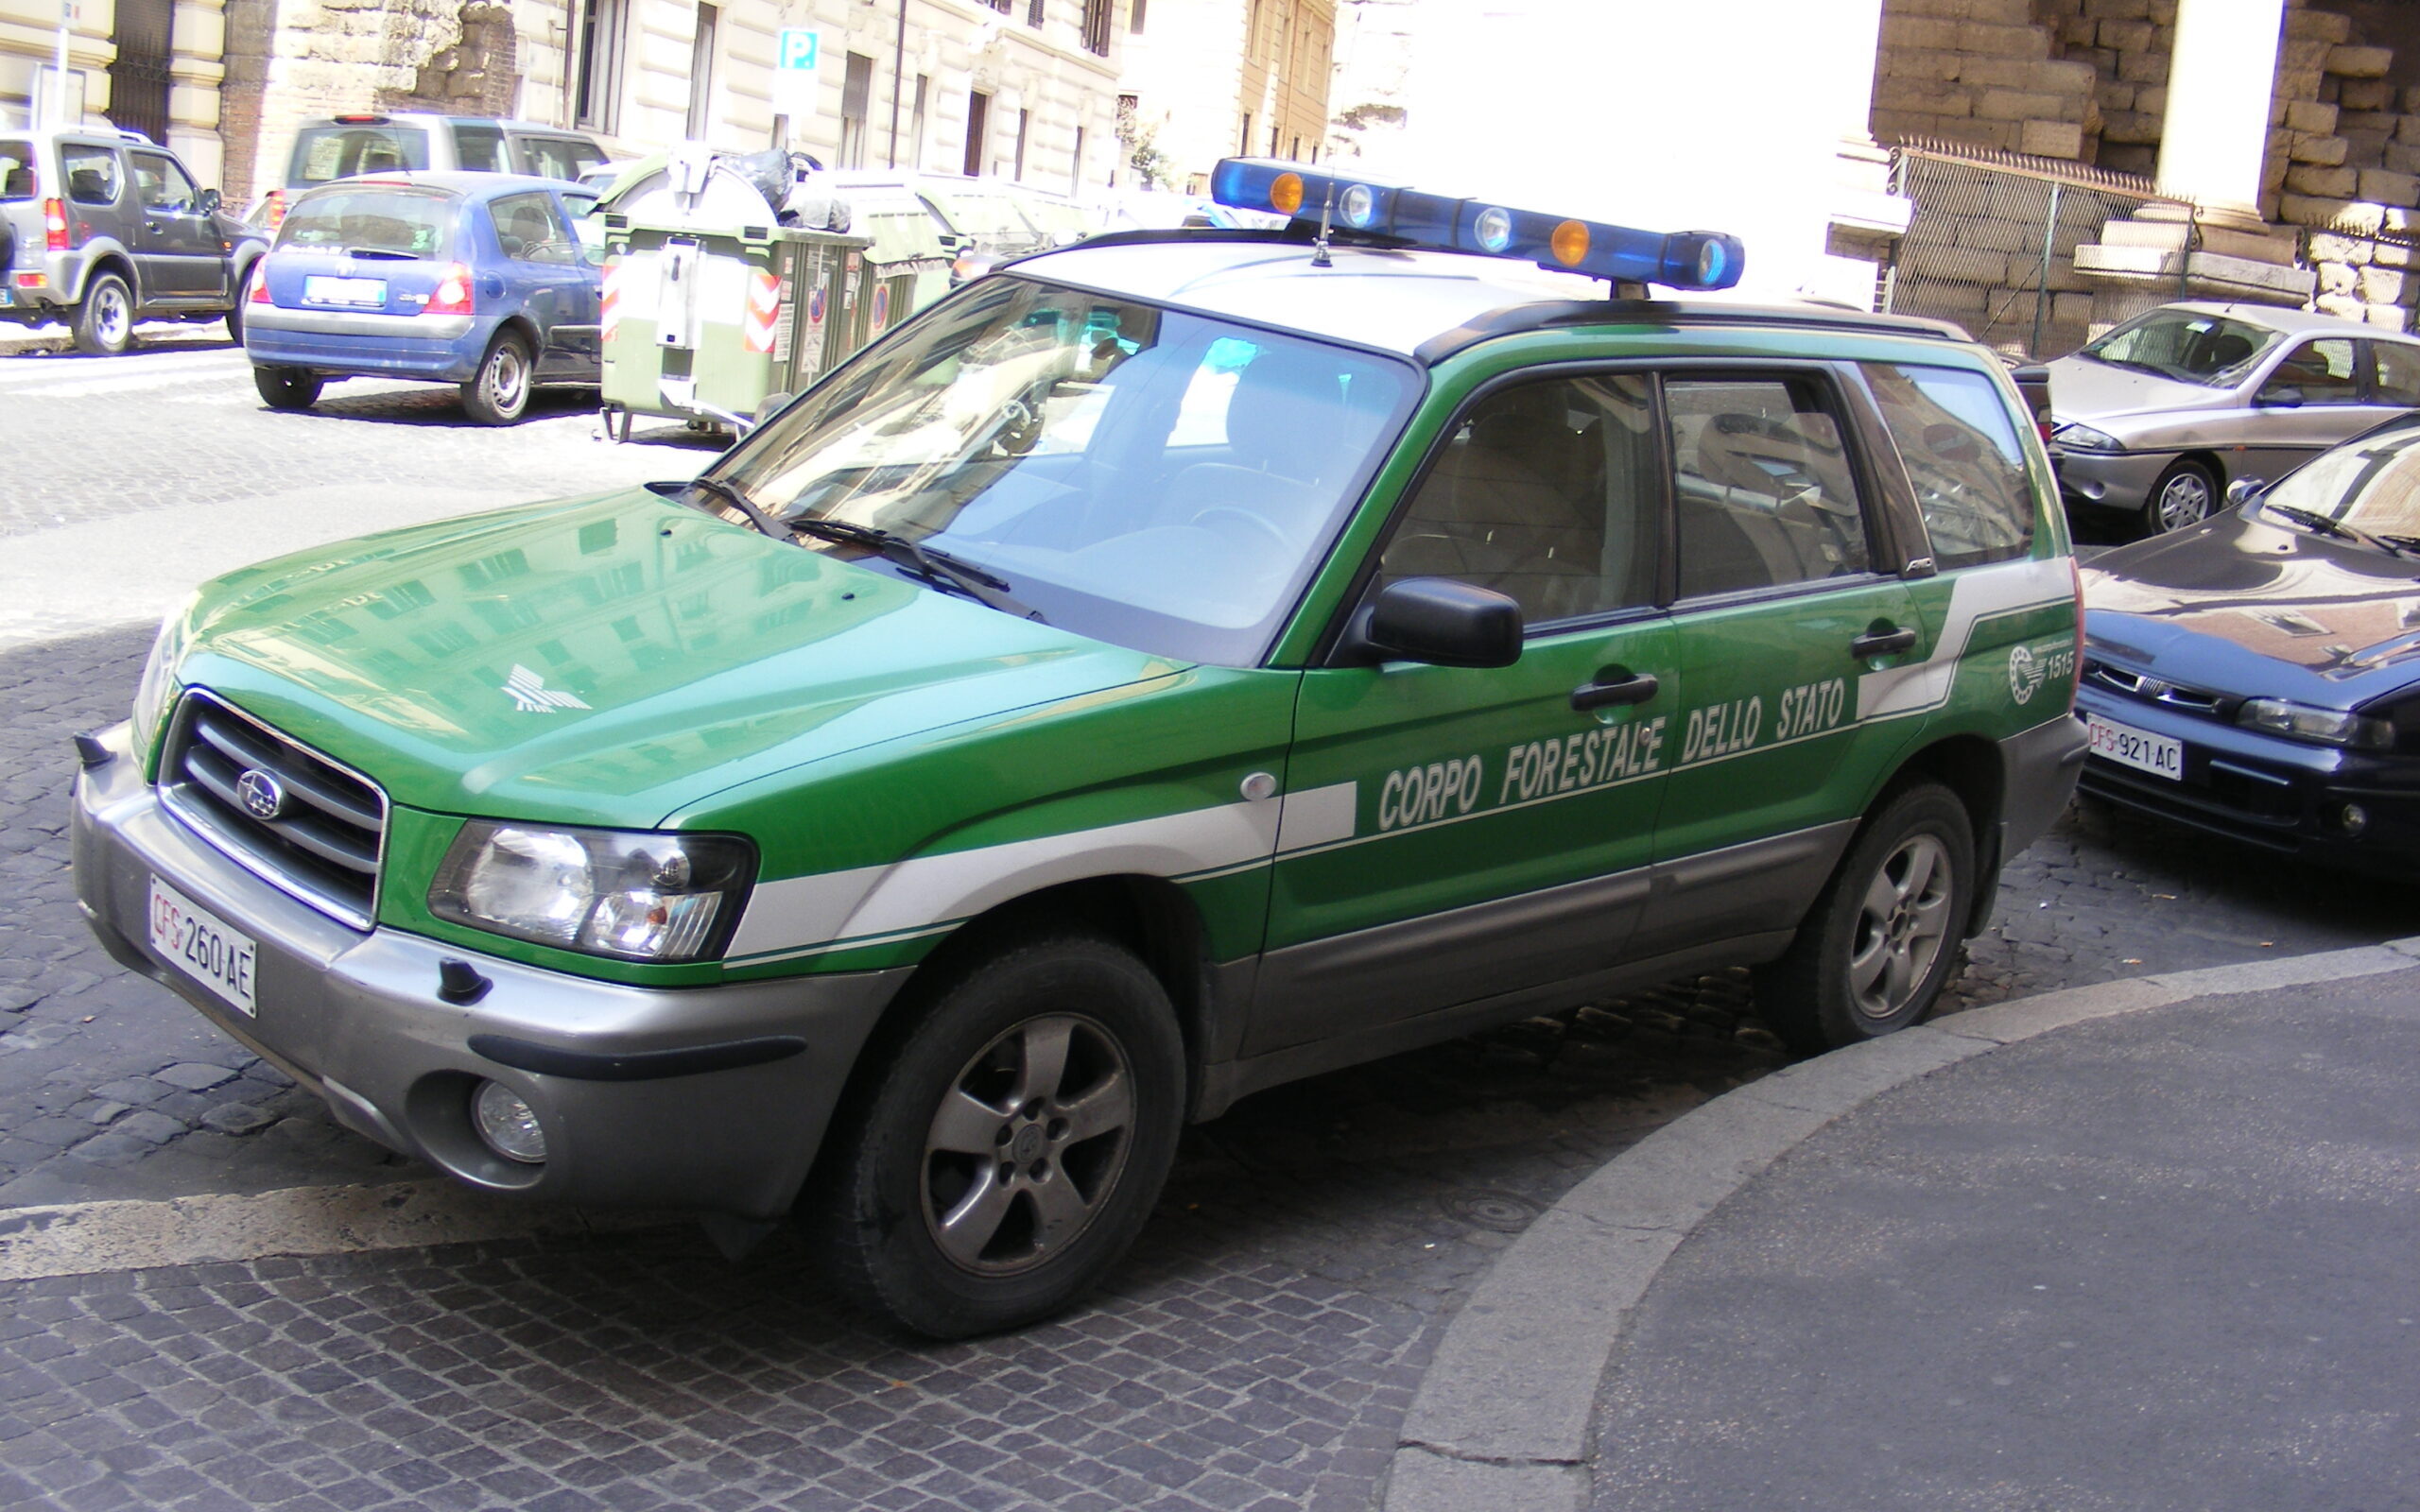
(1982, 72)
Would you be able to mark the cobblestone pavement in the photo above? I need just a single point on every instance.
(1257, 1350)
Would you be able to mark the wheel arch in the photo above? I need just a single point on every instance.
(1973, 769)
(2207, 458)
(114, 258)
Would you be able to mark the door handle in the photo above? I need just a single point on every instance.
(1615, 686)
(1881, 643)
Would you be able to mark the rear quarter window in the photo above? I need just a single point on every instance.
(404, 222)
(322, 153)
(92, 173)
(16, 171)
(1960, 444)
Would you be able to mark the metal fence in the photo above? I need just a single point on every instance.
(1992, 243)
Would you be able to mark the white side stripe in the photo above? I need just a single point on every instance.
(911, 895)
(1975, 593)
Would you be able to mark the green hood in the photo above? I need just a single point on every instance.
(610, 660)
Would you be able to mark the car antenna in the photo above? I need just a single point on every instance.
(1318, 248)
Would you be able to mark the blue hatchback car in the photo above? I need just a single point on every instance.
(476, 279)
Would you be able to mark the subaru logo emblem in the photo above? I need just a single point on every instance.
(264, 799)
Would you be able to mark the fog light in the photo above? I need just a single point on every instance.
(2352, 818)
(508, 1125)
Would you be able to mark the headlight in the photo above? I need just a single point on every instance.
(2078, 437)
(606, 892)
(158, 689)
(2331, 727)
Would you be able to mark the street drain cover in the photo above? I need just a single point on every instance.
(1507, 1212)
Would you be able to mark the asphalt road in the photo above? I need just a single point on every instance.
(1259, 1350)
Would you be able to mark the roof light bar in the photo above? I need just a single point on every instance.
(1681, 260)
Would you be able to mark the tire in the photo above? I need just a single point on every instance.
(499, 395)
(2186, 494)
(235, 311)
(287, 387)
(104, 324)
(1885, 933)
(926, 1222)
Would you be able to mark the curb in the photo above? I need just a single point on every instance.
(1501, 1416)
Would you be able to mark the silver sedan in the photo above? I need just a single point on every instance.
(2159, 416)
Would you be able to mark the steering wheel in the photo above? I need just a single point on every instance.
(1252, 519)
(1020, 427)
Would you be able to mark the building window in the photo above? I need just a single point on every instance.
(855, 89)
(596, 86)
(1076, 176)
(1033, 14)
(1025, 118)
(1243, 143)
(916, 126)
(1134, 19)
(701, 70)
(978, 125)
(1001, 5)
(1297, 153)
(1097, 18)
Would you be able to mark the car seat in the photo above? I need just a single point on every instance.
(1290, 437)
(90, 186)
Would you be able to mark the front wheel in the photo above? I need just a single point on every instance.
(500, 392)
(104, 324)
(2184, 495)
(1872, 954)
(1012, 1147)
(287, 387)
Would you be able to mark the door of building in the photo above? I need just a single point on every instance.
(139, 78)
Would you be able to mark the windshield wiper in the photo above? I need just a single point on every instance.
(742, 503)
(387, 252)
(938, 568)
(2328, 525)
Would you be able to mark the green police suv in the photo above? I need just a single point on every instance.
(1167, 667)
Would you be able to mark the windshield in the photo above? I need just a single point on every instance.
(406, 222)
(1152, 478)
(16, 170)
(2372, 485)
(325, 152)
(2209, 350)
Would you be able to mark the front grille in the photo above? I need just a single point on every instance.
(2155, 690)
(314, 829)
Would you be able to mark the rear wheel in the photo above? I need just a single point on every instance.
(287, 387)
(235, 311)
(1872, 954)
(2184, 495)
(105, 321)
(500, 393)
(1014, 1144)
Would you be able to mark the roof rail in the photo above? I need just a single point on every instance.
(1513, 318)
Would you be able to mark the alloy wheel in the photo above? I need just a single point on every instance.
(1027, 1144)
(2183, 499)
(1902, 926)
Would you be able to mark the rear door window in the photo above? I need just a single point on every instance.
(480, 149)
(1763, 488)
(2398, 374)
(16, 170)
(557, 157)
(395, 222)
(91, 172)
(322, 153)
(1961, 451)
(2323, 370)
(529, 229)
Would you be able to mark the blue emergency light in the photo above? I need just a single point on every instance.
(1681, 260)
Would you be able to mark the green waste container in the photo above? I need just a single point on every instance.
(709, 323)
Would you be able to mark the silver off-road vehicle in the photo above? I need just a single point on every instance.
(100, 229)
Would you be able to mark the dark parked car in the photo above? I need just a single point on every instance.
(2258, 675)
(100, 229)
(2157, 417)
(476, 279)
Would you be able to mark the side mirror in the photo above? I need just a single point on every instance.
(2279, 396)
(2243, 490)
(1437, 621)
(209, 203)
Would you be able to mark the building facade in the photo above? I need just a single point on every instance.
(152, 65)
(1212, 78)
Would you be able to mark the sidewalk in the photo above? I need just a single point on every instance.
(2161, 1258)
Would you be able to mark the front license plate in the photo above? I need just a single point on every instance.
(2137, 748)
(192, 937)
(320, 289)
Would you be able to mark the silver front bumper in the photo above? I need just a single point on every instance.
(712, 1099)
(2111, 480)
